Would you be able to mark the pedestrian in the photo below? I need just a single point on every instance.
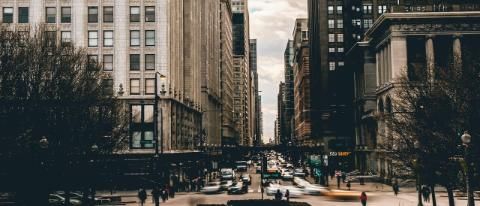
(363, 199)
(142, 196)
(278, 195)
(167, 191)
(156, 196)
(395, 188)
(164, 194)
(348, 184)
(344, 176)
(171, 191)
(287, 195)
(426, 193)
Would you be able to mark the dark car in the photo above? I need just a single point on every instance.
(238, 188)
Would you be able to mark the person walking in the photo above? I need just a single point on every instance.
(164, 194)
(278, 195)
(395, 188)
(142, 196)
(363, 199)
(287, 195)
(156, 196)
(348, 184)
(426, 193)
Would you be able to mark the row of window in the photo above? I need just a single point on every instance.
(66, 14)
(108, 38)
(335, 38)
(134, 61)
(368, 9)
(333, 65)
(331, 10)
(331, 24)
(334, 49)
(367, 23)
(149, 86)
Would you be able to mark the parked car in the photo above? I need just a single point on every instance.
(227, 174)
(211, 188)
(58, 200)
(238, 188)
(225, 184)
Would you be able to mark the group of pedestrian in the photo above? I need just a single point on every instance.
(164, 193)
(279, 195)
(425, 193)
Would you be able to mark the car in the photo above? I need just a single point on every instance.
(211, 188)
(227, 174)
(246, 179)
(287, 175)
(241, 166)
(225, 184)
(293, 191)
(299, 172)
(300, 182)
(272, 189)
(56, 199)
(237, 188)
(289, 166)
(310, 189)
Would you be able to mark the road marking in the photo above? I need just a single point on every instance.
(250, 190)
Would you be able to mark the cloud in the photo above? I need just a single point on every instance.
(271, 23)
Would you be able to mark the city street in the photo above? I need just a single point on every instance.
(378, 195)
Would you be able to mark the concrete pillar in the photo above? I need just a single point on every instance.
(457, 52)
(399, 51)
(389, 62)
(430, 58)
(378, 65)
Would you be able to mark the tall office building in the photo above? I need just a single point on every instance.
(302, 84)
(332, 124)
(281, 113)
(256, 98)
(289, 93)
(226, 73)
(241, 73)
(136, 41)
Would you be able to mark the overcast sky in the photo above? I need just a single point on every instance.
(271, 23)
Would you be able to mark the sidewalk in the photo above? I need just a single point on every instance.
(367, 187)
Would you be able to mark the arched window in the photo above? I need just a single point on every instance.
(388, 105)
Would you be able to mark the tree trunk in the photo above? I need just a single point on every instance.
(434, 199)
(451, 199)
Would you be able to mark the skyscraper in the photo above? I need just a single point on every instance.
(256, 100)
(289, 92)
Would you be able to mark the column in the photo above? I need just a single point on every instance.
(430, 58)
(457, 52)
(398, 46)
(389, 61)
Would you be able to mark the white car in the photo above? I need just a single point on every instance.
(293, 191)
(211, 187)
(272, 189)
(287, 175)
(299, 182)
(315, 190)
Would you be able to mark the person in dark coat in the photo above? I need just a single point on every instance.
(287, 195)
(142, 196)
(363, 199)
(156, 196)
(164, 194)
(278, 195)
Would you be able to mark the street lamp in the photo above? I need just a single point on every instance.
(466, 140)
(94, 151)
(156, 112)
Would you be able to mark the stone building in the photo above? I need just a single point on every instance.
(176, 43)
(281, 113)
(256, 98)
(415, 41)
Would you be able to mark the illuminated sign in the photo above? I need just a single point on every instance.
(339, 154)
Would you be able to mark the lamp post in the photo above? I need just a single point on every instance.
(416, 145)
(156, 110)
(94, 151)
(43, 145)
(466, 140)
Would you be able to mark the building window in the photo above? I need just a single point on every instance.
(108, 62)
(339, 23)
(51, 38)
(66, 37)
(135, 38)
(92, 14)
(135, 62)
(22, 14)
(92, 38)
(92, 61)
(331, 37)
(66, 15)
(150, 14)
(108, 14)
(331, 49)
(367, 23)
(331, 66)
(134, 86)
(149, 86)
(340, 49)
(382, 9)
(357, 22)
(331, 24)
(341, 64)
(339, 37)
(142, 126)
(149, 61)
(107, 87)
(304, 35)
(51, 14)
(330, 9)
(339, 10)
(108, 38)
(7, 15)
(367, 9)
(134, 14)
(149, 38)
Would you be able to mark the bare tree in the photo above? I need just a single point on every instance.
(429, 112)
(53, 90)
